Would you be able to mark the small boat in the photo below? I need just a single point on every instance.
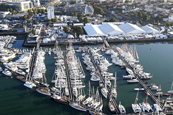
(59, 99)
(139, 89)
(133, 81)
(44, 91)
(128, 76)
(7, 72)
(77, 106)
(121, 108)
(171, 91)
(136, 108)
(1, 69)
(111, 108)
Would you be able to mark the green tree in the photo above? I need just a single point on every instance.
(17, 11)
(86, 20)
(66, 29)
(35, 22)
(98, 10)
(167, 23)
(154, 22)
(139, 14)
(145, 17)
(54, 20)
(106, 20)
(11, 9)
(25, 17)
(140, 22)
(80, 17)
(113, 20)
(77, 30)
(88, 3)
(33, 31)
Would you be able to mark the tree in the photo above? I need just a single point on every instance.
(127, 1)
(17, 11)
(145, 17)
(33, 31)
(88, 3)
(86, 20)
(54, 20)
(25, 17)
(77, 30)
(106, 20)
(113, 20)
(167, 23)
(66, 29)
(139, 14)
(140, 22)
(35, 22)
(154, 22)
(11, 9)
(98, 10)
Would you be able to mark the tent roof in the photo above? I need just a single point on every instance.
(110, 29)
(149, 29)
(131, 29)
(93, 30)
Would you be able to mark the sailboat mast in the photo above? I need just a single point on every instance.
(136, 98)
(115, 84)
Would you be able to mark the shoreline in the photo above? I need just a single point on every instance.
(25, 44)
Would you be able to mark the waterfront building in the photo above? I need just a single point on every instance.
(21, 5)
(50, 12)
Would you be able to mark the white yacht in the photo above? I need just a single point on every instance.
(145, 106)
(128, 76)
(136, 108)
(157, 108)
(77, 106)
(7, 72)
(104, 92)
(29, 84)
(121, 108)
(44, 91)
(171, 91)
(139, 89)
(133, 81)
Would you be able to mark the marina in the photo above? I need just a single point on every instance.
(67, 93)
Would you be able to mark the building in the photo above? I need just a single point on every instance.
(21, 5)
(50, 12)
(36, 3)
(79, 8)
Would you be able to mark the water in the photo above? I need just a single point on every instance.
(156, 58)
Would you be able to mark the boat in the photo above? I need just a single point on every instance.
(154, 87)
(145, 106)
(121, 108)
(136, 108)
(139, 89)
(58, 98)
(128, 76)
(171, 91)
(111, 107)
(133, 81)
(44, 91)
(77, 106)
(113, 90)
(6, 72)
(1, 69)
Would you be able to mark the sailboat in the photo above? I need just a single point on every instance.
(113, 90)
(136, 108)
(81, 96)
(89, 97)
(121, 108)
(171, 91)
(28, 83)
(58, 97)
(145, 106)
(111, 106)
(104, 91)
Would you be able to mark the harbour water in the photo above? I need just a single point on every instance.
(156, 58)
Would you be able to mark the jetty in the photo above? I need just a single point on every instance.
(102, 78)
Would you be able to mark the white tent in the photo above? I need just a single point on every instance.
(110, 29)
(149, 29)
(131, 29)
(93, 30)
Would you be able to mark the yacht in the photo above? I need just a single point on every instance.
(20, 72)
(171, 91)
(145, 106)
(29, 84)
(77, 106)
(7, 72)
(157, 108)
(104, 92)
(121, 108)
(44, 91)
(111, 107)
(139, 89)
(133, 81)
(59, 99)
(128, 76)
(136, 108)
